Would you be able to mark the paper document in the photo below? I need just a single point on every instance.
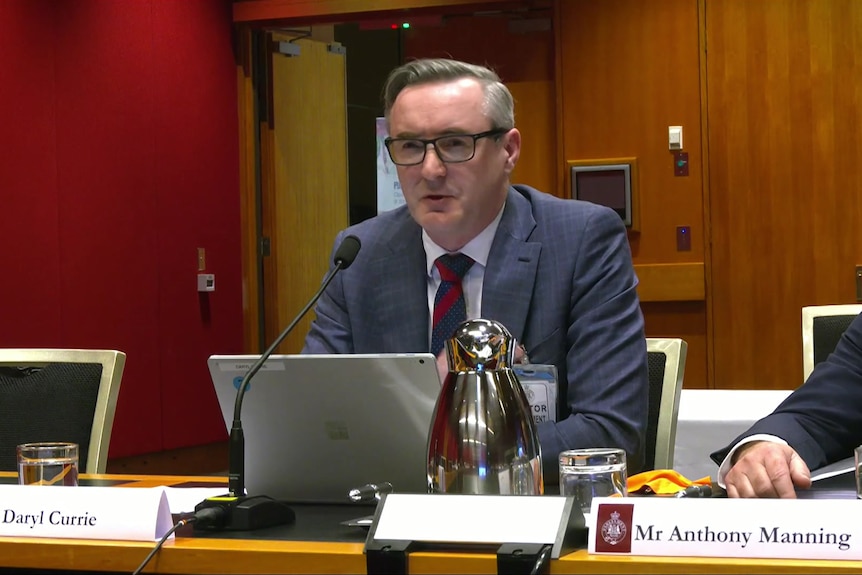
(833, 469)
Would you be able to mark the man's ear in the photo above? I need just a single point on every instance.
(512, 145)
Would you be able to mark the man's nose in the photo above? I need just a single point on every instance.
(432, 165)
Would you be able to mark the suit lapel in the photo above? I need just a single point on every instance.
(401, 287)
(511, 271)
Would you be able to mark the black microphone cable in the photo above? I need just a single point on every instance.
(542, 564)
(210, 514)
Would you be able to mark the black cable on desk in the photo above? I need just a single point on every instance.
(542, 561)
(204, 515)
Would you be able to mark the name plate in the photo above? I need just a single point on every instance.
(139, 514)
(754, 528)
(478, 520)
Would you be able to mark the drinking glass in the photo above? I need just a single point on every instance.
(52, 463)
(857, 456)
(589, 473)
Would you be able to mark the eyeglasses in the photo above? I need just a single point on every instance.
(450, 149)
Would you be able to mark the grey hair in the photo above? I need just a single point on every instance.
(499, 105)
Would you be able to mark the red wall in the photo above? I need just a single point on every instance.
(118, 159)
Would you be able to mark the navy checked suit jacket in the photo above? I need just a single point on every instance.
(559, 277)
(822, 419)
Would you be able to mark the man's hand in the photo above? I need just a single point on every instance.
(767, 469)
(442, 365)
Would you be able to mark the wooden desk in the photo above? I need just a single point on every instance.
(218, 555)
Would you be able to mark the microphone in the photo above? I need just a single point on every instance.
(695, 491)
(370, 492)
(243, 512)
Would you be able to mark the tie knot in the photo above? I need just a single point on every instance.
(453, 267)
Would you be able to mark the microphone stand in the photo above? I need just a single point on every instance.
(236, 477)
(243, 512)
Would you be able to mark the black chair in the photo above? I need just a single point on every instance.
(822, 327)
(666, 359)
(59, 395)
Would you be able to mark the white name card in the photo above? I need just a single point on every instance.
(762, 528)
(476, 519)
(139, 514)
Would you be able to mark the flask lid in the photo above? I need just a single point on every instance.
(480, 345)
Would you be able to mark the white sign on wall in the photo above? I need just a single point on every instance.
(389, 194)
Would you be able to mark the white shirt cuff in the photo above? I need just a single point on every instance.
(725, 466)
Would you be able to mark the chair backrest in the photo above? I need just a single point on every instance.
(59, 395)
(822, 327)
(666, 358)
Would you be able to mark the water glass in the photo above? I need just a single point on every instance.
(857, 456)
(588, 473)
(54, 463)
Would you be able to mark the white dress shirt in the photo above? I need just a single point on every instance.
(478, 249)
(725, 466)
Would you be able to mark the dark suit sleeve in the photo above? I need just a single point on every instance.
(607, 380)
(330, 329)
(821, 419)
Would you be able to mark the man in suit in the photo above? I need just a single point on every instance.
(819, 423)
(556, 273)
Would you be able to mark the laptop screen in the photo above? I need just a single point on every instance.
(317, 426)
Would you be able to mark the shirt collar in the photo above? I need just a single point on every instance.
(478, 248)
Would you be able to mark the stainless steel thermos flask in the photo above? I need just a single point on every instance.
(482, 437)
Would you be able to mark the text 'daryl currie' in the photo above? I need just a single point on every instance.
(48, 518)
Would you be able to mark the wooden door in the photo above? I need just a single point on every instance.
(304, 179)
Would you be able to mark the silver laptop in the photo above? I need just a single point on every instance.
(317, 426)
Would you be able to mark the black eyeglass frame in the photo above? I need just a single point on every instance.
(496, 132)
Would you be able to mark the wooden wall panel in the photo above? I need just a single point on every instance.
(785, 113)
(628, 70)
(525, 62)
(670, 282)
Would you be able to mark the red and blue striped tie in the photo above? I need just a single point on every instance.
(449, 306)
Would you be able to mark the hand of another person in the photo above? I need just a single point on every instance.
(442, 365)
(767, 469)
(443, 362)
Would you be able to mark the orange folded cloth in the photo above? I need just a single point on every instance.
(661, 482)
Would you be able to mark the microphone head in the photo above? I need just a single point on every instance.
(346, 252)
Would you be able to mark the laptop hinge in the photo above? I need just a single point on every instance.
(386, 556)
